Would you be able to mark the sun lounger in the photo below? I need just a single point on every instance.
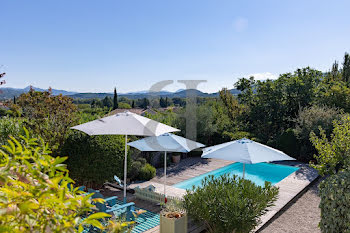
(116, 186)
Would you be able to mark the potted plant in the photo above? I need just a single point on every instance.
(176, 158)
(173, 218)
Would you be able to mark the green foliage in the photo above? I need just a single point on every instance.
(335, 203)
(147, 172)
(115, 99)
(212, 122)
(334, 93)
(48, 116)
(272, 105)
(288, 143)
(334, 153)
(136, 167)
(96, 103)
(309, 120)
(34, 193)
(83, 106)
(107, 102)
(346, 68)
(123, 105)
(93, 160)
(3, 112)
(145, 103)
(229, 204)
(167, 117)
(10, 127)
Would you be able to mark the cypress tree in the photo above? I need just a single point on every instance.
(346, 68)
(161, 102)
(115, 99)
(133, 104)
(166, 102)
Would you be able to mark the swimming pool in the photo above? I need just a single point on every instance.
(258, 173)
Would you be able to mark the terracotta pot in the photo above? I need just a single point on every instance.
(176, 158)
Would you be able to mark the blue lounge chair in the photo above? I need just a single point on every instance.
(111, 207)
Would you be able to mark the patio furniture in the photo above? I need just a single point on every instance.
(111, 206)
(119, 185)
(125, 123)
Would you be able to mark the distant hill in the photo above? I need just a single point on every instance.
(8, 93)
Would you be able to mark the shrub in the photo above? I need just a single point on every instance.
(10, 127)
(123, 105)
(135, 169)
(93, 160)
(139, 170)
(334, 152)
(147, 172)
(229, 204)
(335, 203)
(309, 120)
(34, 193)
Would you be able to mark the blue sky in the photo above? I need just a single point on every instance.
(92, 46)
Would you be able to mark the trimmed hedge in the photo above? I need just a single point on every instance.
(92, 160)
(335, 203)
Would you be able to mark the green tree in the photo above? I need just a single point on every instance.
(107, 102)
(115, 99)
(334, 93)
(133, 104)
(310, 119)
(272, 105)
(48, 116)
(162, 102)
(346, 68)
(229, 204)
(231, 103)
(166, 102)
(333, 154)
(145, 103)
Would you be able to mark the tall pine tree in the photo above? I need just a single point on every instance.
(115, 99)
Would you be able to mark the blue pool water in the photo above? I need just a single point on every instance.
(258, 173)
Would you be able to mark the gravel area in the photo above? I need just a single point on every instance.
(303, 215)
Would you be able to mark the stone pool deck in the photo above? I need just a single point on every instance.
(289, 188)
